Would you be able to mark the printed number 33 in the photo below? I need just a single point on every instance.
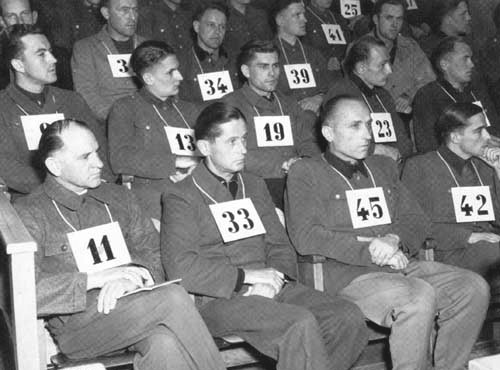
(235, 226)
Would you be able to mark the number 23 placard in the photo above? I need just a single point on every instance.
(237, 219)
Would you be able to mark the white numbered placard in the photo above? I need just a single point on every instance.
(181, 141)
(299, 76)
(368, 207)
(350, 8)
(33, 125)
(273, 131)
(479, 104)
(237, 219)
(411, 5)
(215, 85)
(383, 128)
(472, 203)
(99, 248)
(334, 34)
(120, 65)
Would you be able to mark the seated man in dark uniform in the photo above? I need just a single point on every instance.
(221, 235)
(351, 208)
(458, 186)
(95, 245)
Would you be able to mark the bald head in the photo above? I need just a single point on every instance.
(17, 12)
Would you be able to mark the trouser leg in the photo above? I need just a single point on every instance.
(341, 322)
(286, 333)
(462, 300)
(406, 305)
(135, 318)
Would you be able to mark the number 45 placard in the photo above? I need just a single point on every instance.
(368, 207)
(472, 203)
(237, 219)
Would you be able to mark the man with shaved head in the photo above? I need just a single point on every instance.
(352, 209)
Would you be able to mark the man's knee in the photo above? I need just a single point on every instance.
(175, 296)
(475, 289)
(423, 300)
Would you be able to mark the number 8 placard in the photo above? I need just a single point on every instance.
(368, 207)
(237, 219)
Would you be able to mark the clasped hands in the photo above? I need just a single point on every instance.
(385, 251)
(264, 282)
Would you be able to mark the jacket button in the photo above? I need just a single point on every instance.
(337, 196)
(148, 127)
(64, 247)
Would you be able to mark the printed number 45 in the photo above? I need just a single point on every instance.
(376, 210)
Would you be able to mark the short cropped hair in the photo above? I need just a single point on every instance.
(360, 52)
(440, 8)
(276, 9)
(206, 5)
(148, 54)
(14, 46)
(51, 142)
(331, 107)
(248, 51)
(377, 7)
(442, 50)
(208, 122)
(453, 118)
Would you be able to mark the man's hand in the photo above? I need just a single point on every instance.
(138, 275)
(387, 151)
(312, 103)
(382, 249)
(111, 291)
(267, 276)
(486, 237)
(264, 290)
(288, 164)
(185, 166)
(491, 155)
(403, 104)
(399, 261)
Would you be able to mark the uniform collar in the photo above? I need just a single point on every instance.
(150, 98)
(345, 168)
(39, 99)
(212, 185)
(202, 54)
(255, 99)
(456, 162)
(365, 89)
(452, 90)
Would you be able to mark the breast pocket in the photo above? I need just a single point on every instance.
(338, 210)
(143, 132)
(57, 255)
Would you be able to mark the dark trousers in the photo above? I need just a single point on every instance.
(301, 328)
(162, 326)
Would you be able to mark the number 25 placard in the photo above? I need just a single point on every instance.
(237, 219)
(368, 207)
(472, 203)
(350, 8)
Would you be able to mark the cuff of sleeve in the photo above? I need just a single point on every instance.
(239, 280)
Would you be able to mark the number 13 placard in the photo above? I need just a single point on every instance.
(237, 219)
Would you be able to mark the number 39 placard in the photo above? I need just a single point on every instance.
(368, 207)
(273, 131)
(237, 219)
(299, 76)
(472, 203)
(383, 128)
(215, 85)
(119, 64)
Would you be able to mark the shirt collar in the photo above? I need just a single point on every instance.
(449, 87)
(254, 98)
(223, 181)
(365, 89)
(345, 168)
(456, 162)
(150, 98)
(37, 98)
(202, 54)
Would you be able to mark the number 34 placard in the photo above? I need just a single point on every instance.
(472, 203)
(237, 219)
(368, 207)
(215, 85)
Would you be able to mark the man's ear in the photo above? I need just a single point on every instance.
(455, 137)
(375, 19)
(105, 12)
(34, 16)
(17, 64)
(53, 166)
(204, 147)
(327, 133)
(196, 26)
(245, 71)
(147, 78)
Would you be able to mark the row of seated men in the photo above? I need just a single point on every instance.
(219, 230)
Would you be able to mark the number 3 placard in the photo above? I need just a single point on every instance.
(299, 76)
(383, 128)
(119, 64)
(472, 203)
(368, 207)
(215, 85)
(273, 131)
(237, 219)
(181, 141)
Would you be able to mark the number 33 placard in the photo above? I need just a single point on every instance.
(368, 207)
(472, 203)
(237, 219)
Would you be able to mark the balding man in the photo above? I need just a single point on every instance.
(100, 63)
(351, 208)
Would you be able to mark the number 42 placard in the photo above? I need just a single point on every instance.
(472, 203)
